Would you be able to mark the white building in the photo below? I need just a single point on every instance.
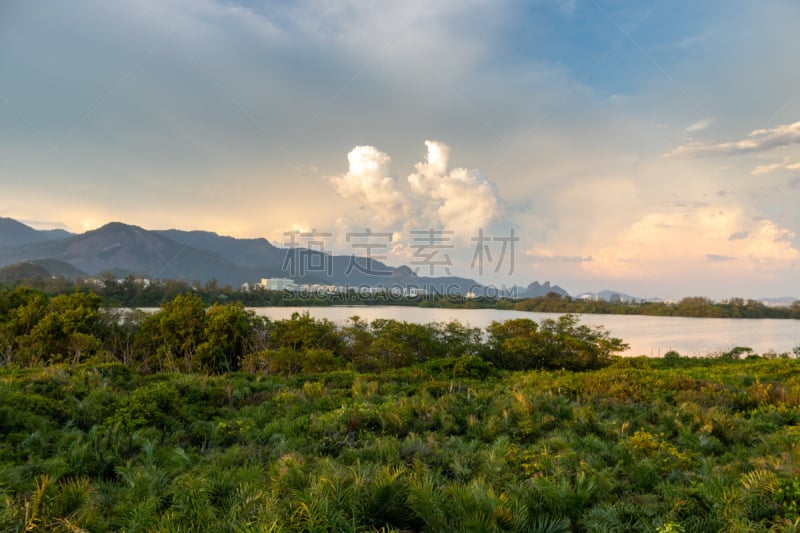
(277, 284)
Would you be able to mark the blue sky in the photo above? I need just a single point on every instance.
(648, 146)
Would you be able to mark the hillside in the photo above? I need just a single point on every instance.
(39, 269)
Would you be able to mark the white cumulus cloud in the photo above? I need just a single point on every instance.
(463, 199)
(368, 182)
(458, 199)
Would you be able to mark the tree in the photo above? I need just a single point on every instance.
(20, 310)
(568, 344)
(357, 339)
(521, 344)
(457, 339)
(170, 337)
(121, 329)
(399, 344)
(229, 335)
(512, 344)
(302, 331)
(67, 330)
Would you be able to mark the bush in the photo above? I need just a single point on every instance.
(522, 344)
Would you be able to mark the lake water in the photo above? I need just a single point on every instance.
(646, 335)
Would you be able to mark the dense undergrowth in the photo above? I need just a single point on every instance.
(642, 445)
(213, 419)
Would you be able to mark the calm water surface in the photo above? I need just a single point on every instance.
(646, 335)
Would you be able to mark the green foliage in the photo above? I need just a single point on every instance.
(299, 425)
(466, 366)
(170, 337)
(40, 330)
(640, 445)
(229, 334)
(522, 344)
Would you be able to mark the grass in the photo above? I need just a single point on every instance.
(642, 445)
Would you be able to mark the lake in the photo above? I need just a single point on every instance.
(646, 335)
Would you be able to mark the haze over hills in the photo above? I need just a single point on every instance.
(122, 249)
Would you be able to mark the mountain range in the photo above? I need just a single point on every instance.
(121, 249)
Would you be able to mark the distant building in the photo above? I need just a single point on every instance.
(277, 284)
(415, 292)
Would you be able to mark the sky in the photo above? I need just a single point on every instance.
(646, 146)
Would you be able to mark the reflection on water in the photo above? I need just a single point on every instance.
(646, 335)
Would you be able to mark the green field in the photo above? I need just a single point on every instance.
(643, 445)
(195, 419)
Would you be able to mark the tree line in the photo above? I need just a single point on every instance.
(133, 292)
(186, 335)
(692, 306)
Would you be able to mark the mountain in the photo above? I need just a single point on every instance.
(612, 296)
(59, 268)
(22, 271)
(39, 269)
(121, 249)
(536, 289)
(312, 266)
(53, 234)
(243, 252)
(13, 233)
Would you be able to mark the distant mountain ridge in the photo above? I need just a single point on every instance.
(123, 249)
(13, 233)
(536, 289)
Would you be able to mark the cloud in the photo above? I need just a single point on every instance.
(761, 170)
(367, 181)
(463, 199)
(716, 258)
(700, 125)
(436, 197)
(672, 241)
(757, 141)
(692, 40)
(546, 258)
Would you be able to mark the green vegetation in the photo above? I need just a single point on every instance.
(212, 419)
(185, 336)
(642, 445)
